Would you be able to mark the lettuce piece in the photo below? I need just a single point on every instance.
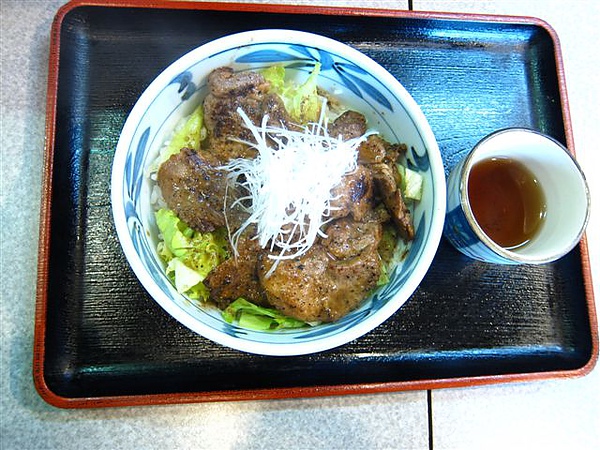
(185, 277)
(302, 102)
(275, 75)
(254, 317)
(384, 277)
(176, 233)
(412, 183)
(189, 255)
(190, 135)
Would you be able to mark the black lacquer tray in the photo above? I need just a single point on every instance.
(101, 340)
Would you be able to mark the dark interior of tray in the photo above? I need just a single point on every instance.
(106, 336)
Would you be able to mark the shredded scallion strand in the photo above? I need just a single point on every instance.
(289, 184)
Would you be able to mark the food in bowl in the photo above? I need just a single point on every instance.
(277, 204)
(347, 75)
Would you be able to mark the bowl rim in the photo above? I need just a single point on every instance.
(278, 36)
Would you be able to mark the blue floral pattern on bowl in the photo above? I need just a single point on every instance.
(176, 92)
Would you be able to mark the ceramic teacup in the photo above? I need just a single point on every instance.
(565, 201)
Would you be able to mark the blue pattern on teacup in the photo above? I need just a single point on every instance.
(457, 229)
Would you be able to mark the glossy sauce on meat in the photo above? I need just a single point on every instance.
(339, 270)
(194, 187)
(318, 286)
(238, 277)
(229, 91)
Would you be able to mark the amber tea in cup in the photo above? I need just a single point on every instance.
(507, 201)
(518, 197)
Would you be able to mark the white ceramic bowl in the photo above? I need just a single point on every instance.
(361, 84)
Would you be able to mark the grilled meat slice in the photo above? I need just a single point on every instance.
(385, 177)
(238, 276)
(373, 150)
(354, 195)
(298, 287)
(387, 188)
(229, 91)
(377, 150)
(400, 214)
(194, 187)
(318, 286)
(351, 280)
(223, 82)
(394, 151)
(348, 125)
(347, 238)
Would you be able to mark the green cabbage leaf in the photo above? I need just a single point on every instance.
(254, 317)
(302, 101)
(189, 255)
(188, 135)
(411, 185)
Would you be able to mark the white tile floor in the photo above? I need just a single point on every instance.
(549, 414)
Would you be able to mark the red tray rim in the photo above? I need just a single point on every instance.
(39, 345)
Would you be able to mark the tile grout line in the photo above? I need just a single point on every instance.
(430, 418)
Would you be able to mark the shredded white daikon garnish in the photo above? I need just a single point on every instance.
(289, 184)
